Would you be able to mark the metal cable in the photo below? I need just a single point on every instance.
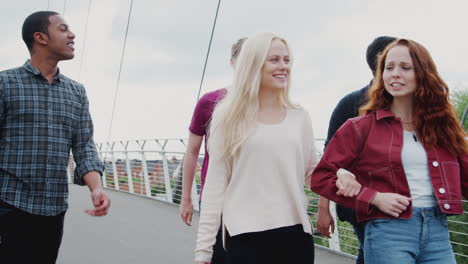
(84, 40)
(120, 71)
(209, 48)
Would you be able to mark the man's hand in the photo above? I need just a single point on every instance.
(347, 184)
(100, 201)
(325, 222)
(391, 203)
(186, 211)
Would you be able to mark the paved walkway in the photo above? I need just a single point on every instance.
(137, 230)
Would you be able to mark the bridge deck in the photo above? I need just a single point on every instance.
(137, 230)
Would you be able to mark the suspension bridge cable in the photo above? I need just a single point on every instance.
(209, 48)
(120, 71)
(84, 40)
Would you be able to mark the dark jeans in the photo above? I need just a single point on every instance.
(27, 238)
(281, 245)
(349, 215)
(360, 231)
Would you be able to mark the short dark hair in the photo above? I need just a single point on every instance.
(375, 49)
(236, 48)
(36, 22)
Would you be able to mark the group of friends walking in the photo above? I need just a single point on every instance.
(396, 161)
(396, 157)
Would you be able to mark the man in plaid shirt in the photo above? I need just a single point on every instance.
(43, 115)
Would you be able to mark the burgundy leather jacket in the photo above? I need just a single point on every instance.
(370, 147)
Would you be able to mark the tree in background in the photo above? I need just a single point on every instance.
(460, 101)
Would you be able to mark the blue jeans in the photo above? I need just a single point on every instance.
(359, 230)
(422, 239)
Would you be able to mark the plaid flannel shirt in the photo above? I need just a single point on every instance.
(40, 123)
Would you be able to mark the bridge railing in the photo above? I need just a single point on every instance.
(153, 168)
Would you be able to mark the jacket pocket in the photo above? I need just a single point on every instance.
(382, 180)
(451, 174)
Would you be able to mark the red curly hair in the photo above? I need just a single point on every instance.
(434, 116)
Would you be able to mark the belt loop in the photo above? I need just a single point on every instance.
(437, 211)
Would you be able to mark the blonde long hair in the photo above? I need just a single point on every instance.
(234, 117)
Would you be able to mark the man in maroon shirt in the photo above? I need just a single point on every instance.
(198, 129)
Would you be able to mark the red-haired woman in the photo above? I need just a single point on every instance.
(409, 153)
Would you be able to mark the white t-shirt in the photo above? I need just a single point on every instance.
(414, 160)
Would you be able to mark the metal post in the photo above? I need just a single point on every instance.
(167, 178)
(114, 168)
(334, 241)
(129, 168)
(69, 176)
(195, 196)
(103, 177)
(70, 167)
(144, 166)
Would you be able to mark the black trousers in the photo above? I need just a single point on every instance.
(219, 254)
(285, 245)
(29, 239)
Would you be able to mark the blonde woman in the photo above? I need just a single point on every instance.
(262, 153)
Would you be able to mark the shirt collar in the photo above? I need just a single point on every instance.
(30, 68)
(383, 113)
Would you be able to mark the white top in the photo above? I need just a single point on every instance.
(414, 160)
(266, 187)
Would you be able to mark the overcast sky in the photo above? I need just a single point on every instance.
(167, 44)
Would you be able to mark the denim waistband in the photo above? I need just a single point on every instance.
(428, 211)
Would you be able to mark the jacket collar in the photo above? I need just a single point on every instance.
(383, 113)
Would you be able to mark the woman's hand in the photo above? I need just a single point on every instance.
(347, 184)
(391, 203)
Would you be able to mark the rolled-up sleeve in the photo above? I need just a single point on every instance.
(83, 146)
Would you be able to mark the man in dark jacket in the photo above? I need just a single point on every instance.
(348, 107)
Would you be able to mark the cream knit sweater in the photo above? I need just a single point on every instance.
(265, 187)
